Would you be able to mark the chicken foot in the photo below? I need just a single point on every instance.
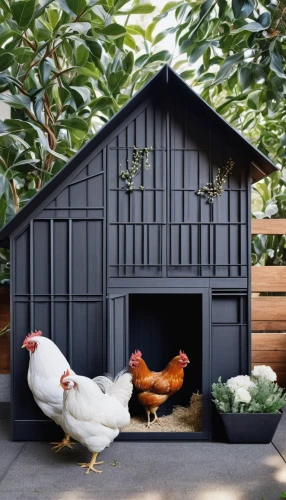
(91, 464)
(66, 441)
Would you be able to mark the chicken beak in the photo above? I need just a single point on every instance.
(23, 346)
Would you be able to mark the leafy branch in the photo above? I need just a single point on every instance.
(214, 189)
(138, 163)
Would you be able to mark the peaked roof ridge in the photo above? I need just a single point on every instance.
(166, 76)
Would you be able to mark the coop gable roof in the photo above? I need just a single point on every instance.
(260, 165)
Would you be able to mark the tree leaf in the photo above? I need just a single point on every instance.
(186, 75)
(252, 26)
(81, 55)
(128, 62)
(89, 70)
(242, 8)
(22, 54)
(145, 8)
(23, 11)
(141, 60)
(100, 103)
(6, 60)
(95, 48)
(81, 28)
(113, 30)
(115, 80)
(76, 6)
(206, 7)
(226, 67)
(276, 64)
(163, 55)
(77, 127)
(64, 6)
(245, 77)
(149, 31)
(16, 101)
(3, 210)
(130, 42)
(41, 8)
(169, 6)
(135, 29)
(271, 209)
(198, 51)
(264, 19)
(160, 36)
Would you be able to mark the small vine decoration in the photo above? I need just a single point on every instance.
(214, 189)
(137, 164)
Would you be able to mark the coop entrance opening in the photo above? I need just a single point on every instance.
(160, 326)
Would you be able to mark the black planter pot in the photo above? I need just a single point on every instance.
(250, 427)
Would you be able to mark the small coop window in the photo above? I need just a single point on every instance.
(160, 325)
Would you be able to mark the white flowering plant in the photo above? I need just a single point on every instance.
(256, 394)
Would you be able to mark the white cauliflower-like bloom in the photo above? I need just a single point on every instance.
(241, 381)
(264, 371)
(241, 395)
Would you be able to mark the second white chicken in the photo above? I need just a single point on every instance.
(92, 417)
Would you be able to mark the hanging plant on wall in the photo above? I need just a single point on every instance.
(214, 189)
(140, 159)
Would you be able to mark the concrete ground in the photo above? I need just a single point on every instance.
(146, 471)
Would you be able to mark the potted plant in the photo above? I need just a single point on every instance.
(250, 407)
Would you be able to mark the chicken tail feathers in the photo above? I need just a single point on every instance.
(104, 382)
(122, 388)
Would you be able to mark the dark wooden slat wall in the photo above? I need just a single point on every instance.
(4, 339)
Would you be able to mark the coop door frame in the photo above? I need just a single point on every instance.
(118, 354)
(118, 319)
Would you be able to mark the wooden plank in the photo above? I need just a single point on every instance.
(268, 326)
(269, 308)
(266, 357)
(268, 342)
(268, 279)
(268, 226)
(280, 370)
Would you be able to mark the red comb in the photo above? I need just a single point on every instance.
(65, 374)
(183, 355)
(138, 354)
(36, 333)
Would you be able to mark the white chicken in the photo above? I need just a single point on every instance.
(93, 417)
(45, 368)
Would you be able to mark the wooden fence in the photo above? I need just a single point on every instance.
(269, 313)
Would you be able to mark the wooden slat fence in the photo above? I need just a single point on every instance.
(269, 312)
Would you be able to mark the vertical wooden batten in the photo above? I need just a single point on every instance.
(4, 321)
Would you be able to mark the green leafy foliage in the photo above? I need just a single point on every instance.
(266, 397)
(65, 68)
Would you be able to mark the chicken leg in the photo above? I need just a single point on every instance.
(66, 441)
(156, 419)
(91, 464)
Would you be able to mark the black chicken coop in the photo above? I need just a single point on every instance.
(120, 252)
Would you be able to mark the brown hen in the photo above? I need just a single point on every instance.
(154, 388)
